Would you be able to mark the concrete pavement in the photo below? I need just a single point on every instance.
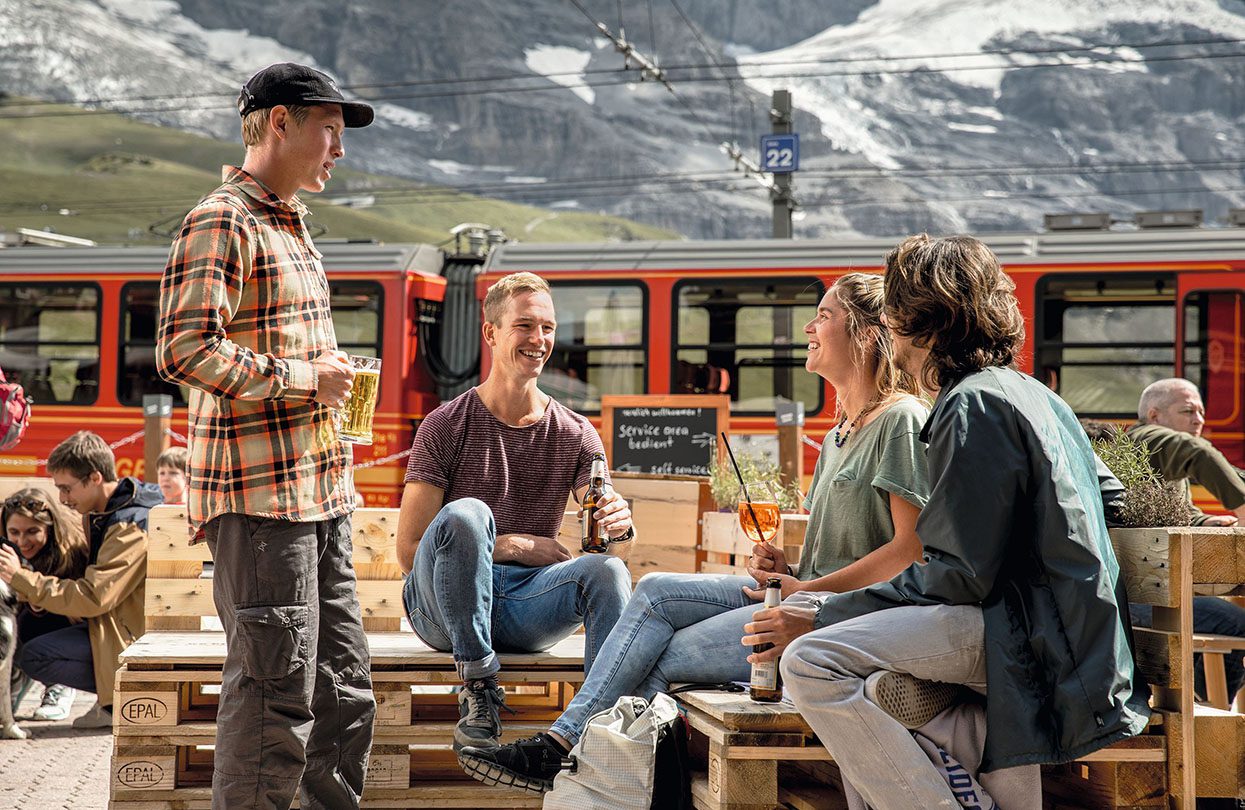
(59, 766)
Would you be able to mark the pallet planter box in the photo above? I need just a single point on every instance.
(727, 548)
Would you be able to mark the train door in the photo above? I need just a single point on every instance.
(1212, 329)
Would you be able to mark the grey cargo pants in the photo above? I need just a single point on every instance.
(296, 697)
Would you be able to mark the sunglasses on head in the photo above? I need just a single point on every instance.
(32, 505)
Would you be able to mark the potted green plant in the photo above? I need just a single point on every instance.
(1149, 501)
(721, 536)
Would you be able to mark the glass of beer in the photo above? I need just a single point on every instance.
(768, 520)
(360, 407)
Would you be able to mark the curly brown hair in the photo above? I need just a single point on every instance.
(66, 552)
(950, 296)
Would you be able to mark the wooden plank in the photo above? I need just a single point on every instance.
(432, 794)
(736, 783)
(1143, 558)
(1220, 752)
(9, 485)
(193, 597)
(1158, 656)
(737, 712)
(143, 768)
(1218, 555)
(387, 649)
(1181, 774)
(373, 537)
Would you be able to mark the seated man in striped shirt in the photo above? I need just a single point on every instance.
(486, 488)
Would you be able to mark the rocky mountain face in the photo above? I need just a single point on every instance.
(895, 135)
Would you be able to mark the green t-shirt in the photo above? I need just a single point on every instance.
(849, 500)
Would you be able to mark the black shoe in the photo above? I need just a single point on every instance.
(530, 764)
(479, 722)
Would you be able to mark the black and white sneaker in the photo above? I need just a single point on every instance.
(910, 700)
(529, 764)
(479, 711)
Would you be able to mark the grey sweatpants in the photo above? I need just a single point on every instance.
(825, 671)
(296, 696)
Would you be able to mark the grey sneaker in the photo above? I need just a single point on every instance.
(19, 685)
(95, 717)
(912, 701)
(57, 701)
(479, 705)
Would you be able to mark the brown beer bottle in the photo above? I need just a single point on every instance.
(766, 683)
(593, 538)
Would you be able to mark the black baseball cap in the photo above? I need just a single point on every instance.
(288, 83)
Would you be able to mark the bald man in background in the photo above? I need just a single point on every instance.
(1170, 417)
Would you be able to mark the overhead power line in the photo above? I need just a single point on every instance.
(617, 77)
(569, 187)
(714, 62)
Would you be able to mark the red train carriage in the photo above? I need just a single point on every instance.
(1106, 313)
(78, 326)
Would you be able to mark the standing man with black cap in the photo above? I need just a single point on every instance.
(245, 323)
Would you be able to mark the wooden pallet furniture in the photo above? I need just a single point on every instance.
(727, 548)
(169, 681)
(1187, 751)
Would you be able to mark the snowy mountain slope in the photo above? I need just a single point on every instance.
(1127, 104)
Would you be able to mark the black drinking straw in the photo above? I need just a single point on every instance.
(744, 487)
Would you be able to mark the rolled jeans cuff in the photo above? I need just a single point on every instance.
(478, 670)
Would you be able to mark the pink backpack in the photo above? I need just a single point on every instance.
(14, 413)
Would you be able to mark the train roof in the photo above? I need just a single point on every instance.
(338, 256)
(1203, 244)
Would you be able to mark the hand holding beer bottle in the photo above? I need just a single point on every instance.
(765, 685)
(593, 537)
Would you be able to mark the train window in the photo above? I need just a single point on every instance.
(49, 341)
(357, 308)
(1101, 339)
(599, 349)
(745, 338)
(136, 367)
(1214, 359)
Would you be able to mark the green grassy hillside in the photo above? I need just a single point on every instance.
(68, 174)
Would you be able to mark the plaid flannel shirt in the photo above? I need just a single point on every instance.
(244, 308)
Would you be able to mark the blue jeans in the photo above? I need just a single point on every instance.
(677, 627)
(459, 600)
(1211, 615)
(61, 656)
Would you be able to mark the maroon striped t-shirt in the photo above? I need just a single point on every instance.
(524, 474)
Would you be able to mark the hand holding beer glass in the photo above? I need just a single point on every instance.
(360, 407)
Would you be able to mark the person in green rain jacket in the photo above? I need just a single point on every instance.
(1017, 597)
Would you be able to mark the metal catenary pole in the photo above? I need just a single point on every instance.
(781, 194)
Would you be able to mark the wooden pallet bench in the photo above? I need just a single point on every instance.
(168, 685)
(168, 692)
(760, 756)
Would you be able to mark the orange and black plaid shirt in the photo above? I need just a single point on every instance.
(244, 308)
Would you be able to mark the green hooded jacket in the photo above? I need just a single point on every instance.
(1014, 523)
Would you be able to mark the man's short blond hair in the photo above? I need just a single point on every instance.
(508, 287)
(255, 123)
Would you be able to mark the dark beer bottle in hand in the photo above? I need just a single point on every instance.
(593, 538)
(766, 683)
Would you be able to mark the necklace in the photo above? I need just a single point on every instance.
(840, 440)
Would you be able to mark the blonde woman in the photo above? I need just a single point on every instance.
(868, 488)
(49, 539)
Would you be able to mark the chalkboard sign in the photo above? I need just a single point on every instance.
(664, 435)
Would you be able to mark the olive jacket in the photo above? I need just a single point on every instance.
(1182, 457)
(110, 594)
(1015, 524)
